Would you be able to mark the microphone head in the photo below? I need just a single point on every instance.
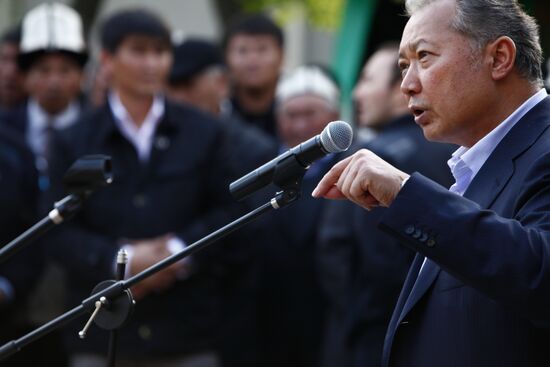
(336, 137)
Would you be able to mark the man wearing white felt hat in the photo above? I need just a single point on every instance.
(52, 27)
(307, 99)
(52, 54)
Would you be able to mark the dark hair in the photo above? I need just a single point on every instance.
(256, 25)
(26, 61)
(132, 22)
(192, 57)
(12, 35)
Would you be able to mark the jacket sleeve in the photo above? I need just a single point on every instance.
(220, 208)
(507, 259)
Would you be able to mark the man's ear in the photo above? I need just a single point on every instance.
(503, 57)
(105, 58)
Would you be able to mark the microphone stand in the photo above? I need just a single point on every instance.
(121, 261)
(112, 302)
(84, 176)
(64, 209)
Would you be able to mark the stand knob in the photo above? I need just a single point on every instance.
(98, 304)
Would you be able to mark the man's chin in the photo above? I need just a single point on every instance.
(54, 104)
(149, 91)
(430, 133)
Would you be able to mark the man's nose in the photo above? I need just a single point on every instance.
(411, 82)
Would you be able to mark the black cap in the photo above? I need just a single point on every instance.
(26, 60)
(192, 57)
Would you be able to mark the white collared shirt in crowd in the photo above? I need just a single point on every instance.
(141, 136)
(39, 121)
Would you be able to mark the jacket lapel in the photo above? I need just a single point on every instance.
(499, 167)
(427, 275)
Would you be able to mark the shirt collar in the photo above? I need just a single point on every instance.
(124, 120)
(465, 163)
(39, 119)
(141, 137)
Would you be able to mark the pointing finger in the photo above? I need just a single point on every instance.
(330, 179)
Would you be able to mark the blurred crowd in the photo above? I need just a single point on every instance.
(313, 284)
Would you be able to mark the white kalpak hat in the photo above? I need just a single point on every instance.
(310, 80)
(51, 27)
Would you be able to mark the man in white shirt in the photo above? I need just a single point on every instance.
(169, 190)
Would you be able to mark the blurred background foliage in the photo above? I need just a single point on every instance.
(321, 14)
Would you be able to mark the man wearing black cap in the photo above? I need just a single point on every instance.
(199, 78)
(198, 75)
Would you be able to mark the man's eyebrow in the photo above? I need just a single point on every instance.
(412, 46)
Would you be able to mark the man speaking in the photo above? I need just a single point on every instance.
(478, 292)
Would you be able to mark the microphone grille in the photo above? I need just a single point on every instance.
(336, 137)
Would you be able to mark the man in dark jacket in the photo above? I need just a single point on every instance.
(19, 273)
(254, 53)
(363, 269)
(52, 54)
(291, 305)
(169, 190)
(199, 78)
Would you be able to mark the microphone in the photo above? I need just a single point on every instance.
(335, 138)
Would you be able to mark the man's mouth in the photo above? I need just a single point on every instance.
(418, 113)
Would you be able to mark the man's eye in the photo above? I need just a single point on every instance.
(404, 69)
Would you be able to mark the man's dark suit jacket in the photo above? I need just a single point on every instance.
(291, 306)
(182, 189)
(18, 197)
(363, 268)
(487, 301)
